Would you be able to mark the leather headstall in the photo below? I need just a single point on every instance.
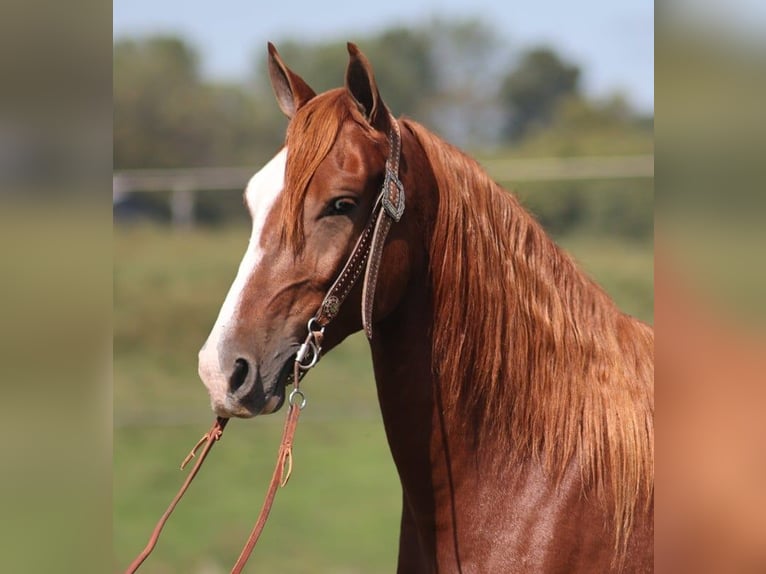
(368, 251)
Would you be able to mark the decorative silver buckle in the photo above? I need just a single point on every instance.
(394, 211)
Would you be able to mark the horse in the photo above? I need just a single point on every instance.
(517, 399)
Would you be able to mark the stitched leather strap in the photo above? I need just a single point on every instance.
(349, 275)
(371, 274)
(368, 251)
(393, 190)
(393, 209)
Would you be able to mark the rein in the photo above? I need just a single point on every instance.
(366, 256)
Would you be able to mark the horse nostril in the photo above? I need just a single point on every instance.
(238, 377)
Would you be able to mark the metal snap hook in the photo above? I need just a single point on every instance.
(310, 352)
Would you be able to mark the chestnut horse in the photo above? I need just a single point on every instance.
(517, 399)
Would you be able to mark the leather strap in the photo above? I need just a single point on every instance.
(393, 209)
(282, 471)
(209, 439)
(393, 190)
(349, 275)
(368, 251)
(382, 226)
(279, 478)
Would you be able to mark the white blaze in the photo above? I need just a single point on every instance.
(261, 194)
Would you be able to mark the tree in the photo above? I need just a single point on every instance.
(531, 92)
(166, 115)
(401, 58)
(467, 57)
(437, 72)
(157, 97)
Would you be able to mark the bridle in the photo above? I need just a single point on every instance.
(366, 256)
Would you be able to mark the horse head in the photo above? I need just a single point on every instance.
(309, 206)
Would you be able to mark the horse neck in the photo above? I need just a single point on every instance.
(440, 462)
(402, 343)
(430, 457)
(442, 473)
(410, 393)
(401, 353)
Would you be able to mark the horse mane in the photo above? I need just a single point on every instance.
(538, 356)
(539, 360)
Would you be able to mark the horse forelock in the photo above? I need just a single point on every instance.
(310, 136)
(538, 358)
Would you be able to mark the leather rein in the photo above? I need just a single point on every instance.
(366, 256)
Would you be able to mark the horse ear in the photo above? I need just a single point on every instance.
(360, 83)
(289, 88)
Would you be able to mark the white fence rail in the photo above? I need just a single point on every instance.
(183, 183)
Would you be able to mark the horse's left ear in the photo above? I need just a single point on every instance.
(289, 88)
(360, 83)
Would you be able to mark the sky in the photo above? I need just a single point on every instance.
(612, 40)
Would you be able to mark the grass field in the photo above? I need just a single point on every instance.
(340, 512)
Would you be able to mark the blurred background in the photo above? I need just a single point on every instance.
(554, 98)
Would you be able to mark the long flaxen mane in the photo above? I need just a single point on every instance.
(529, 350)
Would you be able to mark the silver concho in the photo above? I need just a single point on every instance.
(392, 181)
(331, 306)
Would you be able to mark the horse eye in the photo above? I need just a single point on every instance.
(342, 206)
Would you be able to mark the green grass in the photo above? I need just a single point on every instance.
(340, 512)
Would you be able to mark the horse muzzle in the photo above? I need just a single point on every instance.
(244, 387)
